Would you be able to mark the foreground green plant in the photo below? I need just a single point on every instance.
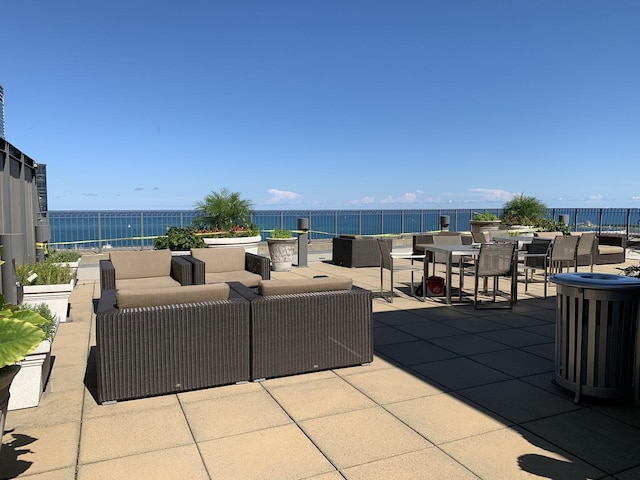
(47, 273)
(20, 333)
(63, 256)
(42, 309)
(179, 238)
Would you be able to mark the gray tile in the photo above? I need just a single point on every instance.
(515, 337)
(411, 353)
(515, 362)
(397, 317)
(601, 440)
(546, 350)
(474, 324)
(387, 335)
(427, 330)
(459, 373)
(518, 401)
(517, 321)
(546, 330)
(468, 344)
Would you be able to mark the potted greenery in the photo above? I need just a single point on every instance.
(20, 334)
(65, 257)
(29, 383)
(485, 221)
(281, 245)
(47, 282)
(179, 239)
(225, 219)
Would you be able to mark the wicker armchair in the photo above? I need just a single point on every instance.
(144, 269)
(214, 265)
(308, 332)
(156, 350)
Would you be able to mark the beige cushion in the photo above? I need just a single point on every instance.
(323, 284)
(351, 237)
(218, 260)
(146, 282)
(142, 263)
(609, 249)
(152, 297)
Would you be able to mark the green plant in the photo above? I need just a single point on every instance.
(523, 210)
(485, 216)
(225, 213)
(179, 238)
(63, 256)
(46, 273)
(550, 225)
(20, 333)
(280, 233)
(42, 309)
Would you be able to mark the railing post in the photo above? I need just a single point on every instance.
(628, 222)
(359, 222)
(99, 233)
(141, 231)
(600, 221)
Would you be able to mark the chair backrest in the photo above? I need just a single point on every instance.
(585, 243)
(385, 254)
(538, 246)
(446, 240)
(481, 237)
(495, 259)
(563, 248)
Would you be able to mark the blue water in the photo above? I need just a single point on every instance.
(95, 229)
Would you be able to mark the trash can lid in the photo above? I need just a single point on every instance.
(595, 280)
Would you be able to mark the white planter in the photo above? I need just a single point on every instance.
(250, 244)
(55, 296)
(282, 253)
(28, 385)
(72, 265)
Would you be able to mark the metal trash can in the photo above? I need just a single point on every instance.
(596, 326)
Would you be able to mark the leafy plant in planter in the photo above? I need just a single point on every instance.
(280, 233)
(42, 309)
(20, 334)
(63, 256)
(225, 214)
(485, 217)
(523, 210)
(281, 245)
(179, 238)
(47, 273)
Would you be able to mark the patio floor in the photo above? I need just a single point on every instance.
(453, 393)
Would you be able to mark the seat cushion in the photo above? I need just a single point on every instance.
(248, 279)
(322, 284)
(141, 263)
(219, 260)
(609, 250)
(151, 297)
(146, 282)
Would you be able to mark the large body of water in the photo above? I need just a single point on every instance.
(128, 228)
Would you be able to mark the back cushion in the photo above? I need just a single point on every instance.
(145, 263)
(151, 297)
(281, 287)
(219, 260)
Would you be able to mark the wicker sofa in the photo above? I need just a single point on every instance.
(216, 265)
(170, 339)
(356, 251)
(144, 269)
(608, 248)
(300, 326)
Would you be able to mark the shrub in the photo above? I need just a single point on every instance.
(280, 233)
(63, 256)
(42, 309)
(47, 273)
(225, 212)
(485, 217)
(179, 238)
(522, 210)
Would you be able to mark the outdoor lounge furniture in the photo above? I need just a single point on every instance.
(495, 260)
(356, 251)
(144, 269)
(300, 326)
(219, 265)
(610, 248)
(387, 262)
(149, 342)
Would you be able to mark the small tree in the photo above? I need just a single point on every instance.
(523, 210)
(224, 211)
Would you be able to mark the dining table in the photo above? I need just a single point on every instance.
(450, 251)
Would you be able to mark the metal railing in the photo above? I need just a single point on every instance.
(136, 229)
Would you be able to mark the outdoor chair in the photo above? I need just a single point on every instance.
(387, 262)
(537, 258)
(561, 253)
(481, 237)
(456, 260)
(585, 252)
(495, 260)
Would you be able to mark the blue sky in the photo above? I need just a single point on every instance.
(326, 104)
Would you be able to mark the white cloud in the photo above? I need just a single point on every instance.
(280, 196)
(594, 198)
(493, 194)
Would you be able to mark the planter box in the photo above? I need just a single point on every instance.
(282, 253)
(250, 244)
(55, 296)
(28, 385)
